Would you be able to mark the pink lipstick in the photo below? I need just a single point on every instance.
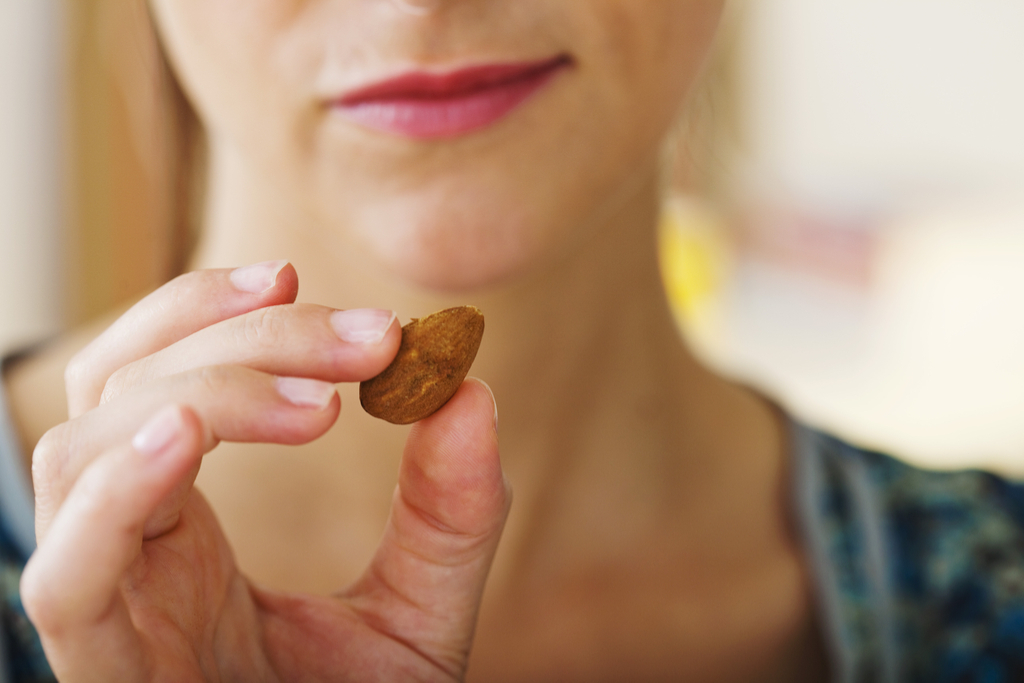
(427, 105)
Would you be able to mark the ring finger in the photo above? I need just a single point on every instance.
(233, 404)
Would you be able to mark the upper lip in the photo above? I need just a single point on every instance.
(413, 85)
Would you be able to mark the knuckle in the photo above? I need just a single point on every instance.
(41, 608)
(186, 288)
(77, 372)
(49, 458)
(53, 471)
(213, 379)
(264, 327)
(183, 292)
(125, 378)
(189, 282)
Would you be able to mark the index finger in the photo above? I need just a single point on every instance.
(181, 307)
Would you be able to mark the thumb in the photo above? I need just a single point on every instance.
(425, 582)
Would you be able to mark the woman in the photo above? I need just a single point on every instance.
(405, 156)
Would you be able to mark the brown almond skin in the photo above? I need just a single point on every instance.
(432, 362)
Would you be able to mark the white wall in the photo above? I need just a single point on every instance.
(886, 96)
(910, 112)
(31, 130)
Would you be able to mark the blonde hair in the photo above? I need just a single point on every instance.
(137, 158)
(702, 146)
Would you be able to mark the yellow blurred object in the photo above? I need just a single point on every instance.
(695, 263)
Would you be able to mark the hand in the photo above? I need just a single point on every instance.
(133, 579)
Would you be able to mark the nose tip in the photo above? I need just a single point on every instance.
(418, 7)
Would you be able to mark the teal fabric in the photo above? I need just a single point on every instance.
(26, 662)
(21, 656)
(920, 574)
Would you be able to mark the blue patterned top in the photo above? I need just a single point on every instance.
(21, 656)
(920, 575)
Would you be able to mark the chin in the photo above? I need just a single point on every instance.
(453, 254)
(453, 275)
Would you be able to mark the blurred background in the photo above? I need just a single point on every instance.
(871, 272)
(846, 231)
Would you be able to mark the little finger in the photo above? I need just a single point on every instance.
(70, 587)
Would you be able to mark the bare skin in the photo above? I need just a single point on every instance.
(602, 542)
(650, 537)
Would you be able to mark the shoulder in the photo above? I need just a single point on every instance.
(926, 567)
(956, 542)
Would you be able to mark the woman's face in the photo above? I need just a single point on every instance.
(459, 142)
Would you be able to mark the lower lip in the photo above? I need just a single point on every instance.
(446, 117)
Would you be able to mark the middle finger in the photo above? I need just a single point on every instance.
(299, 340)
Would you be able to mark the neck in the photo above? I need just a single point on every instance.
(595, 389)
(601, 300)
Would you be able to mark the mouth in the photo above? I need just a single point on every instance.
(430, 105)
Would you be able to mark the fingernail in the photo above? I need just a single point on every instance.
(257, 278)
(162, 430)
(493, 401)
(362, 325)
(305, 393)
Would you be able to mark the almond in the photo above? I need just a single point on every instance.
(431, 364)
